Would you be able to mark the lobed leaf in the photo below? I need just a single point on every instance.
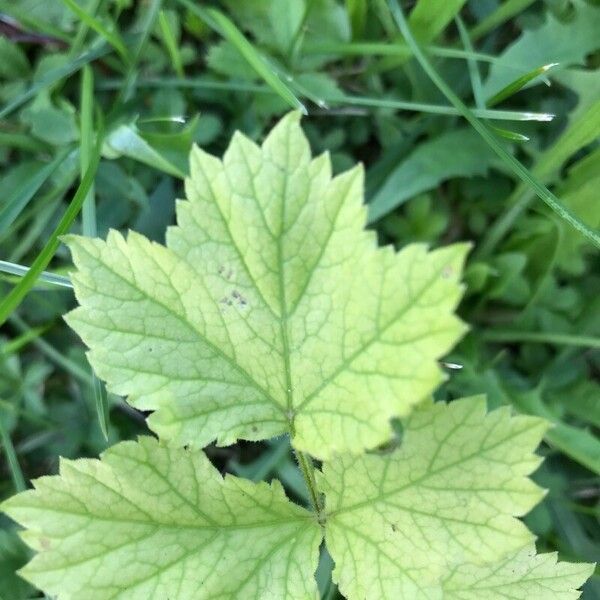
(434, 520)
(270, 310)
(522, 576)
(400, 524)
(149, 521)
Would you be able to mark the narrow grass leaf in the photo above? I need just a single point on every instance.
(580, 132)
(88, 211)
(16, 344)
(516, 166)
(101, 402)
(339, 99)
(580, 445)
(505, 11)
(70, 366)
(45, 276)
(429, 17)
(474, 74)
(83, 29)
(224, 26)
(16, 295)
(112, 37)
(52, 77)
(519, 83)
(22, 195)
(12, 460)
(88, 215)
(21, 141)
(513, 136)
(398, 49)
(170, 42)
(541, 337)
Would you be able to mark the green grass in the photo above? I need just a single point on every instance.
(100, 103)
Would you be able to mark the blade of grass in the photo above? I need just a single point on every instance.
(20, 198)
(101, 403)
(16, 344)
(52, 77)
(505, 11)
(225, 27)
(513, 136)
(16, 295)
(399, 50)
(112, 37)
(519, 83)
(40, 213)
(575, 442)
(499, 115)
(51, 353)
(88, 211)
(266, 463)
(474, 74)
(83, 29)
(516, 166)
(141, 39)
(45, 276)
(21, 141)
(338, 99)
(88, 215)
(477, 85)
(578, 134)
(11, 458)
(557, 339)
(170, 43)
(429, 17)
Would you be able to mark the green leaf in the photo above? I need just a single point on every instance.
(526, 176)
(435, 518)
(582, 401)
(553, 42)
(256, 60)
(112, 37)
(53, 124)
(522, 576)
(13, 555)
(13, 61)
(457, 153)
(579, 133)
(580, 194)
(270, 310)
(20, 185)
(149, 521)
(505, 11)
(429, 17)
(125, 140)
(586, 84)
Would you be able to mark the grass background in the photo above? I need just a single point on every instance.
(475, 120)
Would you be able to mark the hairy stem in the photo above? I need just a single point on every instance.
(307, 468)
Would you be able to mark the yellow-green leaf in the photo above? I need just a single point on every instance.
(271, 310)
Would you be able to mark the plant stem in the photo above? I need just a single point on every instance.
(307, 468)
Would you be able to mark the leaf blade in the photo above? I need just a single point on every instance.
(228, 336)
(440, 513)
(185, 536)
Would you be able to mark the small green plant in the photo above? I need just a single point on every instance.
(271, 311)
